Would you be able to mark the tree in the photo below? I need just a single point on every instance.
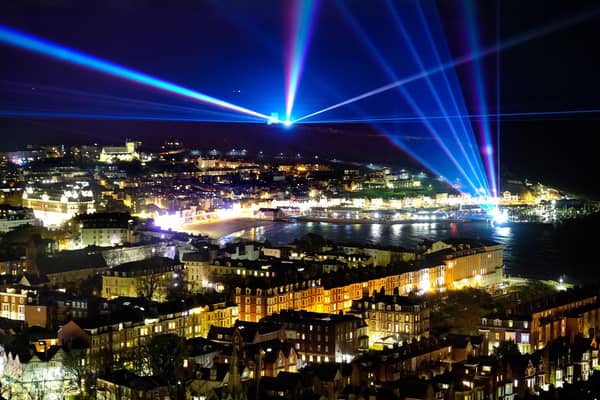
(164, 356)
(148, 286)
(78, 368)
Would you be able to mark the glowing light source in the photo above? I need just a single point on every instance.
(499, 217)
(34, 44)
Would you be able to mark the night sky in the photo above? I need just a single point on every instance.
(236, 51)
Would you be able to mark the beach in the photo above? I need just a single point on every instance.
(218, 229)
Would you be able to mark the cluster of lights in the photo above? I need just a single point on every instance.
(472, 161)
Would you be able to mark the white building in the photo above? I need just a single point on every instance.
(125, 153)
(58, 203)
(41, 375)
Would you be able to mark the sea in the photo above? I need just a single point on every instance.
(568, 250)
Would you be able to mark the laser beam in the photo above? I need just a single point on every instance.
(480, 89)
(411, 119)
(107, 116)
(467, 130)
(37, 45)
(417, 58)
(78, 97)
(363, 37)
(301, 20)
(512, 42)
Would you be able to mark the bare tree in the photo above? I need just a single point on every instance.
(77, 368)
(165, 356)
(148, 286)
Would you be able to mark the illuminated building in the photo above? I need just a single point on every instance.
(390, 363)
(21, 376)
(105, 229)
(13, 217)
(532, 325)
(13, 302)
(261, 346)
(123, 330)
(466, 263)
(380, 255)
(391, 318)
(447, 268)
(319, 337)
(125, 153)
(55, 205)
(148, 278)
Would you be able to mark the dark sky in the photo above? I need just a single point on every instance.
(235, 50)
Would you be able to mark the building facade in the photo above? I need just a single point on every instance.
(148, 278)
(393, 319)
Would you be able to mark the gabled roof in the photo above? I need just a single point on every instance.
(218, 333)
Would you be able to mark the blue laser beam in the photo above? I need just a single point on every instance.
(467, 130)
(466, 58)
(79, 96)
(488, 155)
(411, 119)
(417, 58)
(108, 116)
(302, 17)
(34, 44)
(410, 99)
(498, 93)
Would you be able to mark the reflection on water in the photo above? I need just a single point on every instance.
(529, 249)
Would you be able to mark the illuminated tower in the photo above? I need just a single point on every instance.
(130, 146)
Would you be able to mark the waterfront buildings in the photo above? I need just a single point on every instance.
(440, 266)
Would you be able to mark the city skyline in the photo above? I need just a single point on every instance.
(299, 200)
(527, 85)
